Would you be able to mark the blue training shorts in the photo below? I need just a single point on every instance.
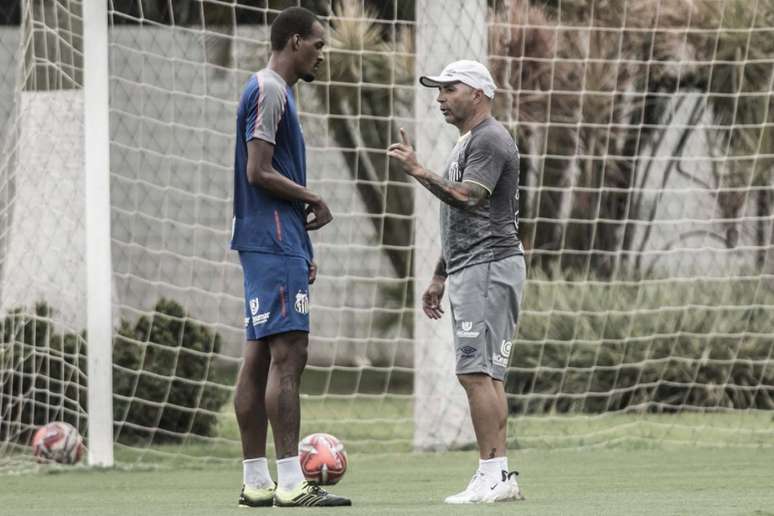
(276, 294)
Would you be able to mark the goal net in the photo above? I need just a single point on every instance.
(645, 210)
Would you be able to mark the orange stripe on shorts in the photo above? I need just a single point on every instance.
(278, 225)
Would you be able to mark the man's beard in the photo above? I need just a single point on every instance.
(308, 77)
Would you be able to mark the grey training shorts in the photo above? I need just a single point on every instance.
(485, 301)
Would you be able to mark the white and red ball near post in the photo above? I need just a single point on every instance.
(323, 458)
(58, 442)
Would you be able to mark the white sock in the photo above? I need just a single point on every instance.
(289, 473)
(504, 464)
(255, 473)
(491, 468)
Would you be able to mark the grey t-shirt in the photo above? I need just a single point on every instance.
(487, 156)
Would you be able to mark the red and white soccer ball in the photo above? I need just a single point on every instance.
(58, 442)
(323, 459)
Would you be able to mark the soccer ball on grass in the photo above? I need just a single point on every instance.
(58, 442)
(323, 459)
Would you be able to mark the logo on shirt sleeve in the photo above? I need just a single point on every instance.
(455, 174)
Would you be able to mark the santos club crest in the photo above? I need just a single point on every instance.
(302, 303)
(455, 174)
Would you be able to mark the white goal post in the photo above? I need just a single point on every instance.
(99, 268)
(446, 32)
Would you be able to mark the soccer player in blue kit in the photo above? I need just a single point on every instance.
(273, 210)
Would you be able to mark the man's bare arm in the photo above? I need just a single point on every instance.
(440, 268)
(260, 172)
(460, 195)
(463, 195)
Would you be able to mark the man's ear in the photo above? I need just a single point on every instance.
(295, 40)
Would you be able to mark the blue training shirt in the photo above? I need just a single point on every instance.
(264, 223)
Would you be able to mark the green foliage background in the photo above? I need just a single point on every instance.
(164, 384)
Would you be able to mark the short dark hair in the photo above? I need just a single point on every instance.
(294, 20)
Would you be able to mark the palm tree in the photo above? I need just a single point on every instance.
(520, 59)
(738, 87)
(370, 74)
(362, 120)
(587, 103)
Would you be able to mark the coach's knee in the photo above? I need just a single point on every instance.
(471, 382)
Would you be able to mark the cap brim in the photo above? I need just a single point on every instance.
(434, 82)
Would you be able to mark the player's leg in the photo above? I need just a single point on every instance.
(502, 406)
(475, 297)
(280, 336)
(489, 416)
(485, 412)
(288, 359)
(249, 399)
(467, 296)
(492, 482)
(505, 286)
(250, 410)
(280, 316)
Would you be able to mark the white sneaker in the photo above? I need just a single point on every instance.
(505, 490)
(474, 493)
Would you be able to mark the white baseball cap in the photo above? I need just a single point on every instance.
(472, 73)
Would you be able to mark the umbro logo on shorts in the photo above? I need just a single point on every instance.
(468, 351)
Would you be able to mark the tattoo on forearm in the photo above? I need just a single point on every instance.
(459, 195)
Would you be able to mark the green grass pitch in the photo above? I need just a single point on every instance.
(617, 481)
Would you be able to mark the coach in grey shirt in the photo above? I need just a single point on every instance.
(482, 260)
